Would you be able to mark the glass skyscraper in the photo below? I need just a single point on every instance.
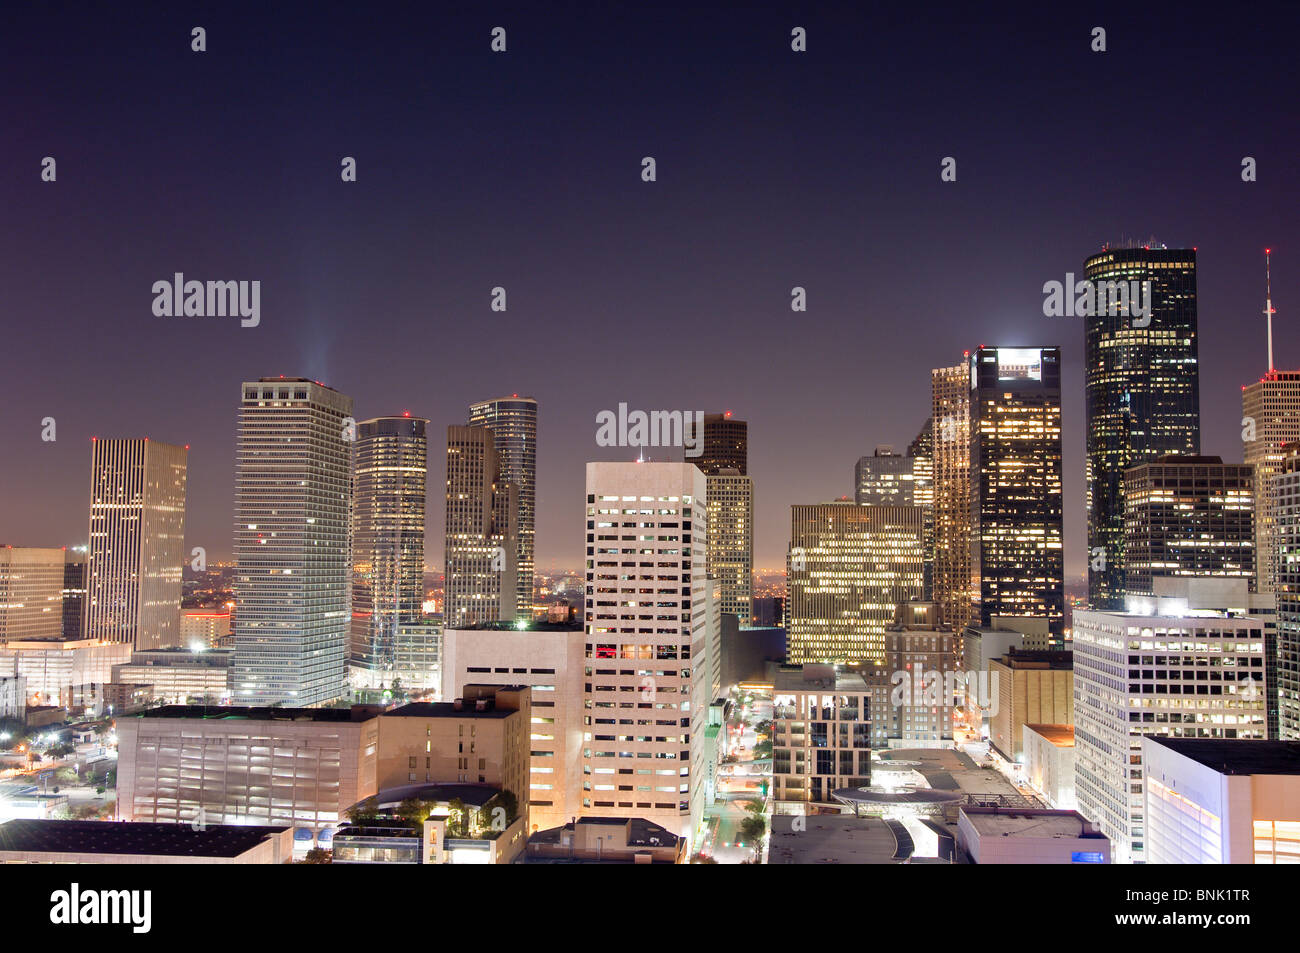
(513, 422)
(1018, 566)
(1142, 394)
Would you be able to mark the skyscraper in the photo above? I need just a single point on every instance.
(74, 592)
(1017, 556)
(390, 465)
(31, 594)
(1270, 409)
(850, 567)
(137, 542)
(950, 425)
(648, 635)
(1188, 516)
(731, 541)
(921, 450)
(1285, 491)
(1142, 394)
(886, 478)
(482, 533)
(726, 444)
(513, 422)
(293, 490)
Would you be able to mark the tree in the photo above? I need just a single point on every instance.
(365, 811)
(457, 818)
(318, 855)
(703, 859)
(763, 749)
(752, 830)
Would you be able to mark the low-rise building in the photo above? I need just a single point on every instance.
(205, 629)
(181, 676)
(1049, 763)
(821, 737)
(995, 835)
(13, 696)
(1210, 801)
(607, 840)
(94, 842)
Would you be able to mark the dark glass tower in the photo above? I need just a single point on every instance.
(1018, 568)
(1142, 395)
(726, 445)
(513, 422)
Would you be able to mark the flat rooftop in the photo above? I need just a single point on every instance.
(1017, 822)
(832, 839)
(1060, 735)
(1238, 756)
(798, 680)
(111, 837)
(449, 710)
(506, 625)
(240, 712)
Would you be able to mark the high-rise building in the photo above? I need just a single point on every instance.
(1162, 668)
(513, 422)
(31, 594)
(74, 592)
(850, 567)
(1188, 516)
(950, 424)
(922, 659)
(726, 445)
(137, 542)
(482, 547)
(647, 698)
(1284, 490)
(1142, 395)
(390, 464)
(1017, 557)
(731, 541)
(921, 450)
(293, 490)
(885, 478)
(1270, 409)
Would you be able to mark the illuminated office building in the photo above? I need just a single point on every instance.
(885, 478)
(726, 445)
(950, 440)
(850, 568)
(513, 422)
(390, 463)
(31, 594)
(137, 542)
(731, 541)
(482, 531)
(293, 483)
(1270, 409)
(1142, 398)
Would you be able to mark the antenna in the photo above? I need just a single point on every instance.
(1268, 304)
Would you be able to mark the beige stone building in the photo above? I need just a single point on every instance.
(31, 594)
(1034, 688)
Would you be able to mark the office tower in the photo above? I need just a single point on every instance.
(726, 444)
(137, 542)
(1270, 409)
(1284, 489)
(513, 422)
(482, 541)
(205, 628)
(647, 635)
(1165, 668)
(1141, 393)
(31, 594)
(389, 466)
(731, 541)
(921, 450)
(950, 423)
(1016, 513)
(1221, 802)
(850, 567)
(74, 592)
(1188, 516)
(922, 659)
(293, 501)
(885, 478)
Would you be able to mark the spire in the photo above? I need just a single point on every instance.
(1268, 305)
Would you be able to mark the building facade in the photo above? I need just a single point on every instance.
(644, 750)
(513, 422)
(1142, 397)
(726, 444)
(390, 466)
(1017, 555)
(950, 438)
(31, 594)
(136, 549)
(821, 735)
(1270, 409)
(731, 541)
(482, 528)
(850, 567)
(293, 488)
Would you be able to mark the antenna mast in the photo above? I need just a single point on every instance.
(1268, 304)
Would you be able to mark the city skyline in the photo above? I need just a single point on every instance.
(894, 261)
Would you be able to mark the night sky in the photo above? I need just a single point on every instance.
(522, 170)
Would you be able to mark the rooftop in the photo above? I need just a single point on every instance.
(1060, 735)
(1022, 822)
(105, 837)
(508, 626)
(239, 712)
(1237, 756)
(469, 709)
